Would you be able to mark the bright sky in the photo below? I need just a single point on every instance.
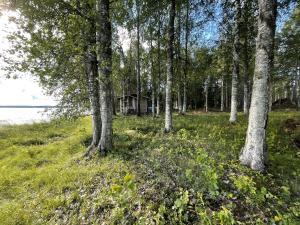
(22, 91)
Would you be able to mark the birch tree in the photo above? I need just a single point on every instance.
(187, 32)
(138, 74)
(170, 68)
(236, 56)
(104, 51)
(158, 64)
(91, 70)
(254, 153)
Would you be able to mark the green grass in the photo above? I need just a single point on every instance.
(191, 176)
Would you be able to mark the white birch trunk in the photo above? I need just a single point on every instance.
(222, 94)
(170, 70)
(235, 72)
(184, 104)
(159, 69)
(254, 152)
(206, 93)
(105, 67)
(91, 71)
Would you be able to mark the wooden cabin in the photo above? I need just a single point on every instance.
(128, 104)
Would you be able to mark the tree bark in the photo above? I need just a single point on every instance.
(206, 83)
(254, 152)
(152, 79)
(184, 105)
(179, 64)
(226, 95)
(246, 76)
(159, 68)
(236, 56)
(138, 83)
(91, 71)
(298, 87)
(222, 94)
(124, 81)
(105, 67)
(170, 69)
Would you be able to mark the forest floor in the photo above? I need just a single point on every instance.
(190, 176)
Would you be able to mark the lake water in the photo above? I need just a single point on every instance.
(22, 115)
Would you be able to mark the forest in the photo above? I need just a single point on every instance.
(168, 112)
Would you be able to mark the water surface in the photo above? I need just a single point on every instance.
(23, 115)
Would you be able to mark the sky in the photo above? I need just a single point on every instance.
(24, 90)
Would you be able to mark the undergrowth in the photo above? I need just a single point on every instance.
(190, 176)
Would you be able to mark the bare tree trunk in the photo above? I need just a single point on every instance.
(122, 102)
(222, 93)
(184, 106)
(152, 79)
(179, 100)
(206, 93)
(91, 71)
(298, 87)
(93, 87)
(254, 152)
(138, 83)
(105, 67)
(113, 104)
(246, 76)
(236, 56)
(159, 68)
(226, 94)
(170, 69)
(179, 65)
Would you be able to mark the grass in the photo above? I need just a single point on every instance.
(191, 176)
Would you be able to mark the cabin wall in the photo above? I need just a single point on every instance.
(144, 106)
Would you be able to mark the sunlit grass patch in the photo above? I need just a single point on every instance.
(187, 176)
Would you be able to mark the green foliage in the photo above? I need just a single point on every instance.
(190, 176)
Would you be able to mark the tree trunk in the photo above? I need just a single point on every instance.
(152, 79)
(246, 77)
(105, 67)
(206, 83)
(179, 65)
(138, 83)
(123, 102)
(222, 94)
(91, 71)
(170, 69)
(254, 152)
(226, 94)
(298, 87)
(236, 56)
(184, 105)
(159, 68)
(113, 104)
